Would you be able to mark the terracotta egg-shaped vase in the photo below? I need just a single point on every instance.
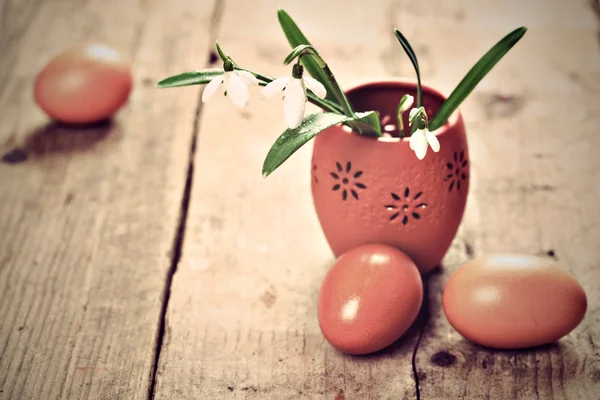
(375, 190)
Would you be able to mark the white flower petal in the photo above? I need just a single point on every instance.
(421, 152)
(274, 87)
(238, 91)
(247, 77)
(418, 143)
(294, 102)
(315, 86)
(414, 138)
(212, 87)
(226, 77)
(433, 141)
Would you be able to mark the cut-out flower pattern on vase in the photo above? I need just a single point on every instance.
(404, 207)
(346, 181)
(456, 171)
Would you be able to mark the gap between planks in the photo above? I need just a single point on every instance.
(421, 322)
(178, 241)
(422, 318)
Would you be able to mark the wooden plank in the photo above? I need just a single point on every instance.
(241, 321)
(88, 220)
(532, 127)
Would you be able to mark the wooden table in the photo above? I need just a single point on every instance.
(148, 258)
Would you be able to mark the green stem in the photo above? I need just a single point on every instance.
(401, 132)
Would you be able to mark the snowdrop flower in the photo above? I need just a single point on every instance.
(235, 85)
(420, 140)
(294, 98)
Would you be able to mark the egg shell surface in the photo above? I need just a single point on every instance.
(512, 301)
(369, 298)
(84, 84)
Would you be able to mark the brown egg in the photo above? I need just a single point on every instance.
(511, 301)
(84, 84)
(369, 298)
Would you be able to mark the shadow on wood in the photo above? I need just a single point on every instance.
(595, 4)
(57, 138)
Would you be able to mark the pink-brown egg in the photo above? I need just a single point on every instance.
(369, 298)
(84, 84)
(512, 301)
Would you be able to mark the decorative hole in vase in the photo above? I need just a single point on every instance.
(457, 171)
(346, 181)
(408, 210)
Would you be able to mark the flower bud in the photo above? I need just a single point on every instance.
(405, 103)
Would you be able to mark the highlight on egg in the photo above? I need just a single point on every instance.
(84, 84)
(369, 298)
(512, 301)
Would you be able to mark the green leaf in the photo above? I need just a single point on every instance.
(476, 74)
(189, 78)
(413, 58)
(367, 125)
(221, 53)
(296, 38)
(292, 139)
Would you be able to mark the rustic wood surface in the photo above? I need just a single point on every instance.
(532, 127)
(147, 257)
(89, 220)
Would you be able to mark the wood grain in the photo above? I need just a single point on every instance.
(241, 321)
(532, 127)
(88, 215)
(250, 315)
(91, 219)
